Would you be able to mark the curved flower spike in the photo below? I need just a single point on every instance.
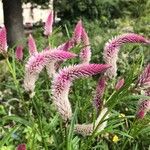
(143, 108)
(63, 80)
(119, 84)
(32, 45)
(98, 102)
(85, 54)
(54, 65)
(87, 129)
(37, 62)
(48, 24)
(144, 79)
(78, 32)
(3, 40)
(112, 47)
(19, 52)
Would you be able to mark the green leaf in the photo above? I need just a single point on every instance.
(18, 119)
(8, 135)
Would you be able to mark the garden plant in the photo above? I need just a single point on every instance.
(57, 98)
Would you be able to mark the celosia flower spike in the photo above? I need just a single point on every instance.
(63, 80)
(3, 40)
(144, 79)
(78, 32)
(21, 147)
(143, 108)
(98, 102)
(119, 84)
(111, 50)
(87, 129)
(32, 45)
(37, 62)
(48, 24)
(19, 52)
(85, 54)
(54, 65)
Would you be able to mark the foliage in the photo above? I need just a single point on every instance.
(35, 121)
(102, 10)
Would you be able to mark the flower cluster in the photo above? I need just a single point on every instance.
(62, 79)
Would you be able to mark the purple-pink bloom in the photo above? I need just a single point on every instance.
(143, 108)
(19, 52)
(38, 61)
(54, 65)
(21, 147)
(111, 49)
(119, 84)
(78, 32)
(144, 79)
(32, 45)
(63, 80)
(3, 40)
(100, 89)
(85, 54)
(49, 24)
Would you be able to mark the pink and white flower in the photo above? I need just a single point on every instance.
(32, 45)
(49, 24)
(85, 54)
(38, 61)
(3, 40)
(78, 32)
(111, 49)
(63, 80)
(144, 79)
(100, 89)
(19, 52)
(143, 108)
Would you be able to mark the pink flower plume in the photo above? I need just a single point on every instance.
(63, 80)
(143, 108)
(87, 129)
(38, 61)
(119, 84)
(3, 40)
(85, 54)
(78, 32)
(19, 52)
(54, 65)
(144, 79)
(111, 49)
(100, 89)
(48, 24)
(31, 45)
(21, 147)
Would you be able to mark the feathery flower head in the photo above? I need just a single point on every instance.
(87, 129)
(63, 80)
(49, 24)
(143, 108)
(85, 54)
(38, 61)
(32, 45)
(111, 49)
(144, 79)
(119, 84)
(98, 102)
(21, 147)
(78, 32)
(54, 65)
(67, 45)
(3, 40)
(19, 52)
